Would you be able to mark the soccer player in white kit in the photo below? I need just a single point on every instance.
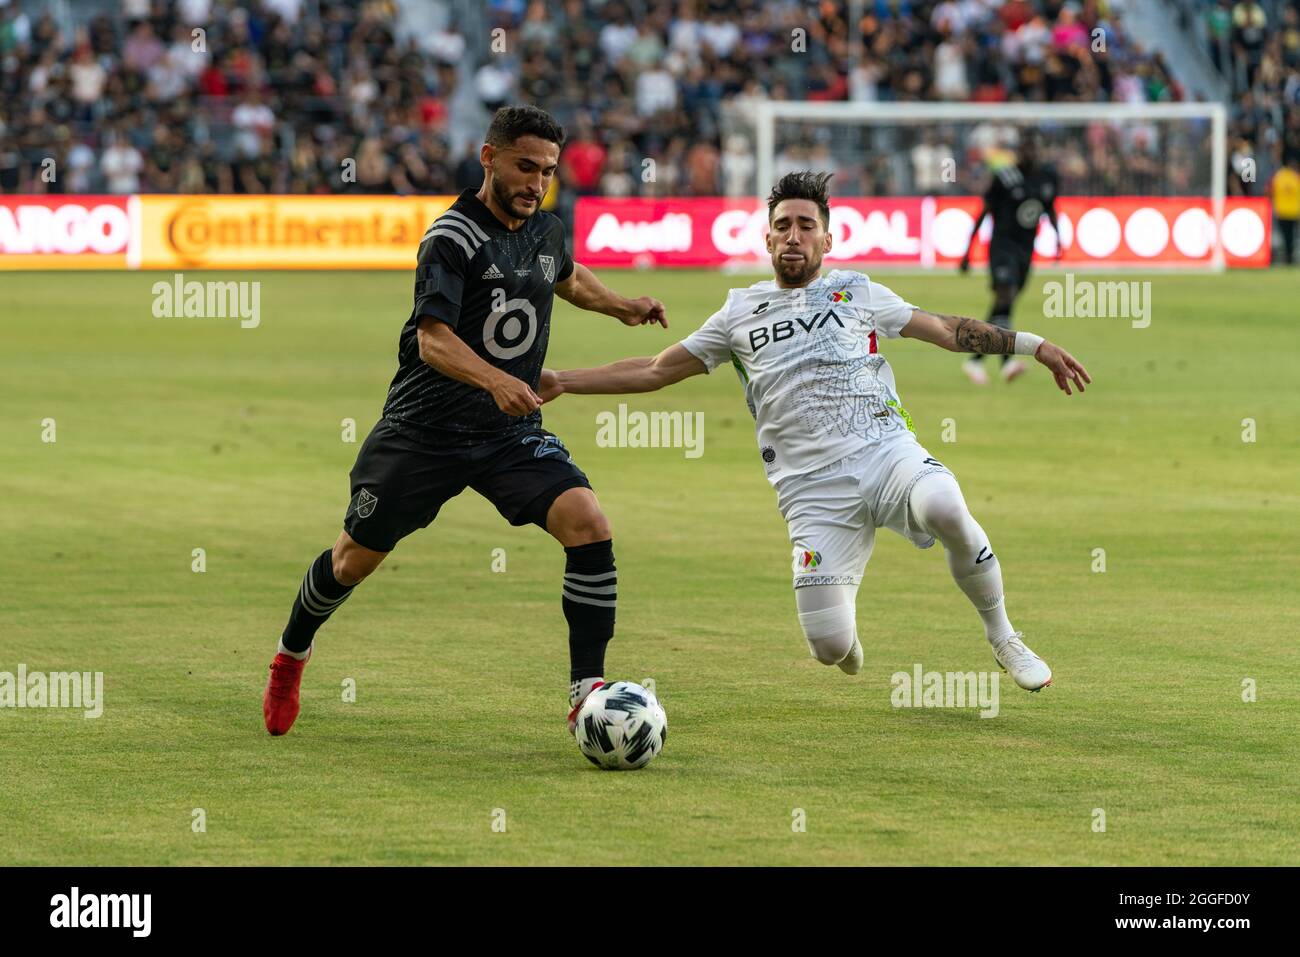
(835, 440)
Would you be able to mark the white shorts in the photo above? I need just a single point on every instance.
(833, 512)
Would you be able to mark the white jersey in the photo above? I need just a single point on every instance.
(817, 387)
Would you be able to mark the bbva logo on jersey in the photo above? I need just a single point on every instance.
(784, 329)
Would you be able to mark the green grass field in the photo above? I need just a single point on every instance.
(180, 434)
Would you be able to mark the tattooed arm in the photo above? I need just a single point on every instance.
(959, 334)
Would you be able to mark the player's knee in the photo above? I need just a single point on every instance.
(352, 562)
(596, 528)
(944, 517)
(575, 518)
(585, 527)
(829, 632)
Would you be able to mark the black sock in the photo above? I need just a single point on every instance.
(317, 599)
(590, 598)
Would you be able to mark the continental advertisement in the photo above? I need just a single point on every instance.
(284, 232)
(215, 232)
(383, 232)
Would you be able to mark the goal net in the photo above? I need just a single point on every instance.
(1141, 186)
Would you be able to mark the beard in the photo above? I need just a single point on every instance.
(507, 202)
(797, 272)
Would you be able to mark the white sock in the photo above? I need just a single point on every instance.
(985, 592)
(299, 655)
(997, 626)
(938, 503)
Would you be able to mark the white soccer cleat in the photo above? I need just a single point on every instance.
(1026, 668)
(852, 662)
(1013, 370)
(975, 372)
(578, 692)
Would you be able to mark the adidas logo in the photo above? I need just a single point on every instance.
(493, 273)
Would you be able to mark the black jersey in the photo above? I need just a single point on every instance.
(1016, 200)
(493, 286)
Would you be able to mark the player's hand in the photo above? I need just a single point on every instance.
(645, 312)
(514, 396)
(1065, 367)
(963, 267)
(550, 386)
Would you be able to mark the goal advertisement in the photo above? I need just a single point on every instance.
(383, 232)
(923, 232)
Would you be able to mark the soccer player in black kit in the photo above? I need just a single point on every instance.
(1016, 199)
(463, 409)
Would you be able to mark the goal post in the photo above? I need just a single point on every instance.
(1100, 149)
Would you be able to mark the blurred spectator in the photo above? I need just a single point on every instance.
(121, 164)
(1285, 190)
(280, 92)
(253, 122)
(583, 160)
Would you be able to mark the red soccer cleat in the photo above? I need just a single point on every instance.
(280, 702)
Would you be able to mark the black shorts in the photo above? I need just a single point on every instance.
(1009, 264)
(399, 485)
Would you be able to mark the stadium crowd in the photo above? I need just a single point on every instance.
(317, 96)
(1257, 47)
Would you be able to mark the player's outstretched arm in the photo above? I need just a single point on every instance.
(959, 334)
(585, 291)
(642, 374)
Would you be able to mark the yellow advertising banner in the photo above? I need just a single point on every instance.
(283, 232)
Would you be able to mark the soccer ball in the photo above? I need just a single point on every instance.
(621, 727)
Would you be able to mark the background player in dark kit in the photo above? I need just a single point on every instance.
(463, 410)
(1017, 198)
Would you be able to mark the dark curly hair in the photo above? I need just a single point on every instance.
(511, 122)
(804, 185)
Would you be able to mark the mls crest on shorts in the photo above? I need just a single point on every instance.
(365, 503)
(548, 267)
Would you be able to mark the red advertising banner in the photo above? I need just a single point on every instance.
(132, 232)
(1096, 232)
(73, 232)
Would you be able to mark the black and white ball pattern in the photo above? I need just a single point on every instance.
(621, 726)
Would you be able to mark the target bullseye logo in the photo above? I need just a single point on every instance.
(509, 331)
